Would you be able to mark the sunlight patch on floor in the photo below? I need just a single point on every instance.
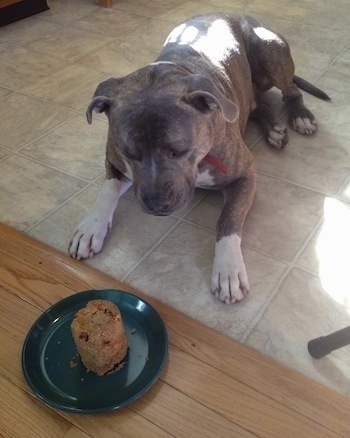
(333, 251)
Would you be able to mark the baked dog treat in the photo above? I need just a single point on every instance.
(99, 336)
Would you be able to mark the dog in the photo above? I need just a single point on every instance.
(178, 123)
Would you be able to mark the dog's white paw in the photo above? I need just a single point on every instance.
(278, 136)
(89, 236)
(229, 282)
(304, 125)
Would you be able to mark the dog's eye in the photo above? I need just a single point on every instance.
(177, 154)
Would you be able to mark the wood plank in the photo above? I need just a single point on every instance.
(253, 411)
(74, 432)
(199, 420)
(24, 417)
(31, 285)
(123, 423)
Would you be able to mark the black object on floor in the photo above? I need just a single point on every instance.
(20, 9)
(324, 345)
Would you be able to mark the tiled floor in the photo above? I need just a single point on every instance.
(296, 240)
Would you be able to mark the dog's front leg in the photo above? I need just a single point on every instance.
(229, 282)
(89, 235)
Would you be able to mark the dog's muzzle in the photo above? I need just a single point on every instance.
(164, 202)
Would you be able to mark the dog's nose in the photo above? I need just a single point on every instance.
(158, 202)
(155, 205)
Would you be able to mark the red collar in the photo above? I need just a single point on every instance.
(216, 163)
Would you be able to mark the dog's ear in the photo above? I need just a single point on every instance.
(206, 97)
(100, 104)
(103, 97)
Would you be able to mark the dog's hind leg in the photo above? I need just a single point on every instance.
(275, 133)
(273, 65)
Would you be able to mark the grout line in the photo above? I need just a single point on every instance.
(30, 227)
(45, 133)
(178, 221)
(153, 247)
(33, 160)
(291, 265)
(305, 187)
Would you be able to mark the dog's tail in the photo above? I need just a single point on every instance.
(309, 88)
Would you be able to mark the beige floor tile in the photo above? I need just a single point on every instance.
(134, 233)
(120, 58)
(274, 9)
(282, 217)
(302, 311)
(328, 253)
(29, 191)
(110, 22)
(321, 161)
(310, 64)
(146, 8)
(4, 153)
(339, 3)
(329, 16)
(116, 59)
(337, 77)
(155, 33)
(207, 212)
(72, 87)
(20, 67)
(334, 117)
(66, 11)
(4, 92)
(23, 119)
(178, 272)
(25, 31)
(69, 43)
(75, 148)
(317, 39)
(183, 11)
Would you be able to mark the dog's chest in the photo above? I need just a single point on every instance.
(205, 179)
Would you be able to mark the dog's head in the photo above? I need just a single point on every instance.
(163, 125)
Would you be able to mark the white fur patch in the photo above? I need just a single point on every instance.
(161, 62)
(128, 172)
(89, 235)
(229, 281)
(204, 179)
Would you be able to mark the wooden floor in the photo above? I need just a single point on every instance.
(211, 386)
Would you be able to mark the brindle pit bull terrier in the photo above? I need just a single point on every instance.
(178, 123)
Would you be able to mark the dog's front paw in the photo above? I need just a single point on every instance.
(89, 236)
(229, 282)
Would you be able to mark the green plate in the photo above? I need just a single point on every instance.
(57, 377)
